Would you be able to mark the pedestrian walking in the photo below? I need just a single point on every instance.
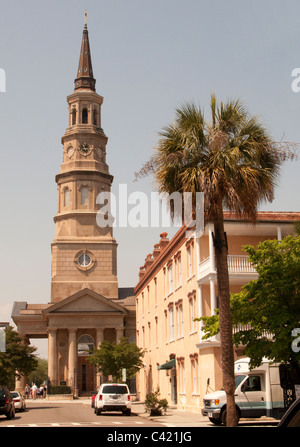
(34, 390)
(27, 391)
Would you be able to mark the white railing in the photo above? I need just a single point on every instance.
(236, 264)
(239, 264)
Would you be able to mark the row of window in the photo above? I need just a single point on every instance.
(173, 272)
(181, 375)
(84, 196)
(85, 116)
(172, 280)
(173, 324)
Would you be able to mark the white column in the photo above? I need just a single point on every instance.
(72, 360)
(52, 356)
(279, 236)
(212, 296)
(20, 383)
(200, 310)
(119, 334)
(99, 340)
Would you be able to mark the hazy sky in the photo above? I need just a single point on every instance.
(149, 57)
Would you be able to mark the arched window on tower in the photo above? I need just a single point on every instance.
(66, 197)
(95, 117)
(84, 195)
(84, 116)
(73, 116)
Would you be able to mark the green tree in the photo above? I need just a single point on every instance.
(111, 358)
(17, 360)
(233, 161)
(268, 308)
(40, 374)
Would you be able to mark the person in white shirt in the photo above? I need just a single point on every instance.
(34, 390)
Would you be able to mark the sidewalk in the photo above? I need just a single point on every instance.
(172, 416)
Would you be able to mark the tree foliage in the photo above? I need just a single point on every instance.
(18, 358)
(111, 358)
(269, 307)
(40, 373)
(234, 162)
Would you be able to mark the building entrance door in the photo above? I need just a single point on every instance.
(173, 386)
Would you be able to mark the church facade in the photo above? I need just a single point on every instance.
(87, 306)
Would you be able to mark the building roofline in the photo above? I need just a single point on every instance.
(166, 248)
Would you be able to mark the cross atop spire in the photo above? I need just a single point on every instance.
(85, 78)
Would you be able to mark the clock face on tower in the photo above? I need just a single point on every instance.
(84, 149)
(70, 151)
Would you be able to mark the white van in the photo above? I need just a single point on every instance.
(258, 393)
(113, 397)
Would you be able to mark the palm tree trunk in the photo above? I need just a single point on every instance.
(227, 356)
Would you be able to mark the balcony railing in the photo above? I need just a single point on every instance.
(239, 264)
(236, 264)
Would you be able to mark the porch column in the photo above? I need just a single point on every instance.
(52, 356)
(72, 361)
(200, 310)
(99, 340)
(21, 382)
(279, 236)
(213, 303)
(119, 334)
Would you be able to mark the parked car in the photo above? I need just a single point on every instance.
(113, 397)
(291, 417)
(19, 400)
(94, 394)
(7, 406)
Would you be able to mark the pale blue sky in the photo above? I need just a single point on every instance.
(148, 58)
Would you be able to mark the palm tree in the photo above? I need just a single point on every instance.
(233, 161)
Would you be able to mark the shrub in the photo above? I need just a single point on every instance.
(154, 405)
(59, 389)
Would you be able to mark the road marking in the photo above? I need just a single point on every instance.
(138, 422)
(118, 423)
(76, 423)
(55, 424)
(32, 425)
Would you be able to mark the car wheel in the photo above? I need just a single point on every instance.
(224, 415)
(215, 421)
(11, 414)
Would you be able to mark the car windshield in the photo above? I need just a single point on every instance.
(115, 389)
(238, 380)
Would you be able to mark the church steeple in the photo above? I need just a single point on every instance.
(85, 78)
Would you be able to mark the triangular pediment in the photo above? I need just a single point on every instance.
(86, 301)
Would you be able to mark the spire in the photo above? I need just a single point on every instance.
(85, 78)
